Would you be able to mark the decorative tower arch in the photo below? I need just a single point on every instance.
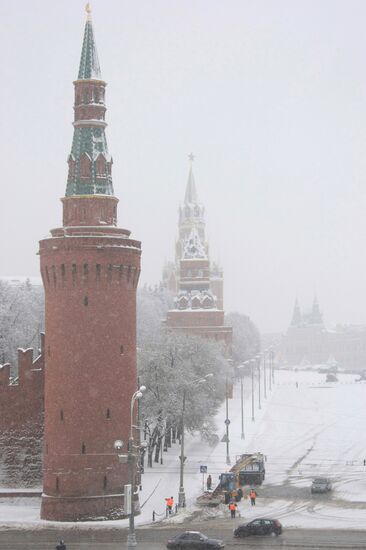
(90, 270)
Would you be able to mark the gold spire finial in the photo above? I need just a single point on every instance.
(88, 12)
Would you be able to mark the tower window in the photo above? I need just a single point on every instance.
(121, 350)
(57, 485)
(108, 413)
(86, 301)
(98, 271)
(83, 448)
(104, 482)
(86, 269)
(61, 415)
(73, 269)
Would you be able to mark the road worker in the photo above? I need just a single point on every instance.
(209, 482)
(232, 508)
(252, 495)
(169, 504)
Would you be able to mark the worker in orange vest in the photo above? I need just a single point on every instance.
(232, 508)
(169, 504)
(252, 495)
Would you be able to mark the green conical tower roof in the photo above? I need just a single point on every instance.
(90, 164)
(89, 62)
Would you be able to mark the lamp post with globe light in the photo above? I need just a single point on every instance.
(241, 368)
(181, 494)
(130, 458)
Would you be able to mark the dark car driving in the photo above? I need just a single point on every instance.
(194, 540)
(260, 526)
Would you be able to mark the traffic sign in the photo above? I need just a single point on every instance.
(227, 422)
(203, 469)
(184, 459)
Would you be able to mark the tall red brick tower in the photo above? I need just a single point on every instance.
(90, 269)
(198, 305)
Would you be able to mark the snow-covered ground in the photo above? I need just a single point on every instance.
(306, 429)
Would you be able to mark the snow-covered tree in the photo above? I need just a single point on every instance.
(246, 337)
(173, 365)
(21, 318)
(152, 305)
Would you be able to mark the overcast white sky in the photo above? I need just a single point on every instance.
(269, 94)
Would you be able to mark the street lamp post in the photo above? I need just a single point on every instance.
(253, 362)
(259, 382)
(131, 537)
(272, 366)
(227, 422)
(181, 493)
(269, 370)
(264, 375)
(241, 368)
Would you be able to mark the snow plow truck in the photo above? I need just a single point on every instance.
(248, 469)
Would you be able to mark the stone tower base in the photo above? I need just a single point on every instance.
(92, 508)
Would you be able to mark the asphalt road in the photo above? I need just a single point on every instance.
(154, 538)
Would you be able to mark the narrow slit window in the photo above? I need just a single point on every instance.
(57, 485)
(83, 449)
(108, 413)
(104, 482)
(86, 301)
(61, 415)
(121, 350)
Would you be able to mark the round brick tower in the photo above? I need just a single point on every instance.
(90, 269)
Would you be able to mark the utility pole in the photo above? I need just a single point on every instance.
(227, 422)
(242, 405)
(181, 494)
(252, 362)
(264, 375)
(259, 383)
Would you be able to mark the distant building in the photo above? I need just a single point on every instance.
(308, 341)
(198, 286)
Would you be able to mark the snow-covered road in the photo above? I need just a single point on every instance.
(306, 429)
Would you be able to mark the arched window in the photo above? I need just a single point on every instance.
(85, 166)
(71, 163)
(101, 165)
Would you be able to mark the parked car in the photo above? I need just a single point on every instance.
(321, 485)
(260, 526)
(194, 540)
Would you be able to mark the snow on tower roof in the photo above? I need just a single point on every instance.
(191, 192)
(89, 62)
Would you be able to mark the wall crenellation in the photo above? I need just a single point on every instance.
(21, 419)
